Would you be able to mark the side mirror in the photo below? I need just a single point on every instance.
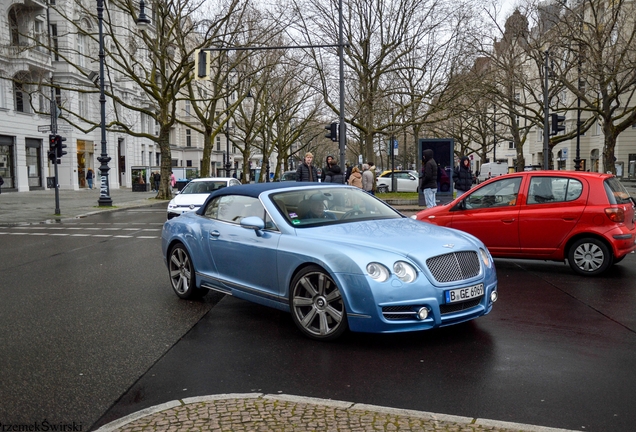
(254, 223)
(461, 205)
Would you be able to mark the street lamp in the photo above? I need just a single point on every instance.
(494, 133)
(577, 159)
(104, 190)
(142, 21)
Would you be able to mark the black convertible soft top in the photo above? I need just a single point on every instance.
(255, 189)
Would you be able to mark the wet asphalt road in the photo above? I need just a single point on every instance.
(92, 332)
(556, 351)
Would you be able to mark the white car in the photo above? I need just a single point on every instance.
(194, 194)
(407, 181)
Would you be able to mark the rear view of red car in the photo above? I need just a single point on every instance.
(584, 218)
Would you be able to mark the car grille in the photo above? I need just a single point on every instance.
(454, 266)
(456, 307)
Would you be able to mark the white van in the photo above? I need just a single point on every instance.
(492, 169)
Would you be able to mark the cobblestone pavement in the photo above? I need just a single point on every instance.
(260, 412)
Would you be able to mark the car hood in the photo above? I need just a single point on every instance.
(405, 237)
(187, 199)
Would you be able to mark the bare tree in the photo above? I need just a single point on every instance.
(146, 71)
(395, 48)
(596, 48)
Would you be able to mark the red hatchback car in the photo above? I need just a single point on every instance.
(586, 218)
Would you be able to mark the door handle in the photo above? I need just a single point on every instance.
(508, 220)
(214, 234)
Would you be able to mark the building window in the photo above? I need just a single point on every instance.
(539, 134)
(13, 28)
(188, 138)
(218, 143)
(143, 158)
(81, 50)
(188, 163)
(83, 104)
(3, 87)
(21, 98)
(39, 36)
(511, 145)
(158, 159)
(187, 107)
(58, 96)
(55, 41)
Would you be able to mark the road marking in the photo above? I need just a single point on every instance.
(40, 234)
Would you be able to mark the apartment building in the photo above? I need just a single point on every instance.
(28, 72)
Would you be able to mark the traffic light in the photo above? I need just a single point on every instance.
(556, 121)
(52, 144)
(59, 152)
(333, 131)
(202, 64)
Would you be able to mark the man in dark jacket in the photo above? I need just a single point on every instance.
(428, 179)
(463, 176)
(306, 171)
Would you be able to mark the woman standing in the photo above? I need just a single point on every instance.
(355, 178)
(463, 176)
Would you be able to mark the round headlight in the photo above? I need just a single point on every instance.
(378, 272)
(404, 271)
(485, 257)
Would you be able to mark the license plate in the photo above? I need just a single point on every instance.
(463, 294)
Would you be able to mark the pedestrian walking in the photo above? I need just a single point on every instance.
(428, 178)
(306, 171)
(463, 176)
(157, 179)
(173, 180)
(89, 178)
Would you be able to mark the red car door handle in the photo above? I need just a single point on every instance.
(508, 220)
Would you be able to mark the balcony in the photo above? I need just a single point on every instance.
(26, 58)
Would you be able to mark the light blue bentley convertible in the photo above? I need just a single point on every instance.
(333, 256)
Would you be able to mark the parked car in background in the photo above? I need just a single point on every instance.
(492, 169)
(407, 181)
(333, 256)
(288, 176)
(195, 193)
(584, 218)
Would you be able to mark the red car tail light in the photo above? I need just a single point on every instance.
(615, 214)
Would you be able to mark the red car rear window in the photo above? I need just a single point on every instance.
(616, 192)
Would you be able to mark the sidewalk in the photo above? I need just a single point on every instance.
(263, 412)
(39, 206)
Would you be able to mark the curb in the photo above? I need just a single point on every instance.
(343, 406)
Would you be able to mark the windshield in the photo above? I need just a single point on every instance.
(203, 187)
(312, 207)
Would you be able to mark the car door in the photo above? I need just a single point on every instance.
(244, 259)
(407, 182)
(491, 213)
(552, 209)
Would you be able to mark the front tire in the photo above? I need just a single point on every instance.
(316, 305)
(589, 257)
(181, 273)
